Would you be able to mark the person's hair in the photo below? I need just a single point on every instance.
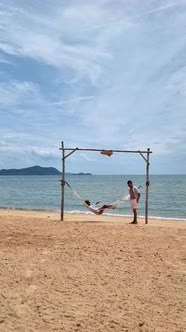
(87, 202)
(129, 181)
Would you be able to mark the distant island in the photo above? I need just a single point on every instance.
(36, 170)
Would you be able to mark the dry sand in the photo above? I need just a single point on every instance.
(91, 273)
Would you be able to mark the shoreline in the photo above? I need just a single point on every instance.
(84, 213)
(78, 217)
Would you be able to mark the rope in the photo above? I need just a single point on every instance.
(75, 193)
(111, 206)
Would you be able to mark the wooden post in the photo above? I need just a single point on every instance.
(72, 150)
(62, 181)
(147, 187)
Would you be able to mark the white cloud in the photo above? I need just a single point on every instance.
(51, 40)
(16, 93)
(97, 74)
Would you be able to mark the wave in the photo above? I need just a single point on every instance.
(89, 213)
(126, 215)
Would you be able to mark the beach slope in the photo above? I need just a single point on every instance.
(91, 273)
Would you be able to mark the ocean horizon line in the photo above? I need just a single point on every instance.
(92, 174)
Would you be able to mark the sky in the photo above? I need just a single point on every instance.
(102, 74)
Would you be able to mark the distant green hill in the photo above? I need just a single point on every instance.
(35, 170)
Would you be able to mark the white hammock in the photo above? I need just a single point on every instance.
(114, 205)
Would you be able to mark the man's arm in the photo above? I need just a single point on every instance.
(137, 193)
(138, 197)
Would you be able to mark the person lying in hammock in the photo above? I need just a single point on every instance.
(98, 210)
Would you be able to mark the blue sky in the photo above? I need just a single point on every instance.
(94, 74)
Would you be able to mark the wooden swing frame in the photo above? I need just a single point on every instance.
(104, 152)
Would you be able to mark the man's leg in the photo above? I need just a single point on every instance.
(110, 206)
(135, 217)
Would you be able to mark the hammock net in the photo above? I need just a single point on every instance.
(113, 205)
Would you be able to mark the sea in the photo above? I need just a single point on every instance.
(166, 195)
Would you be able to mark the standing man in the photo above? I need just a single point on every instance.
(134, 199)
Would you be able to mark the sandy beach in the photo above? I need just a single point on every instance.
(91, 273)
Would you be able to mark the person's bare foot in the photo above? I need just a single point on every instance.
(133, 222)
